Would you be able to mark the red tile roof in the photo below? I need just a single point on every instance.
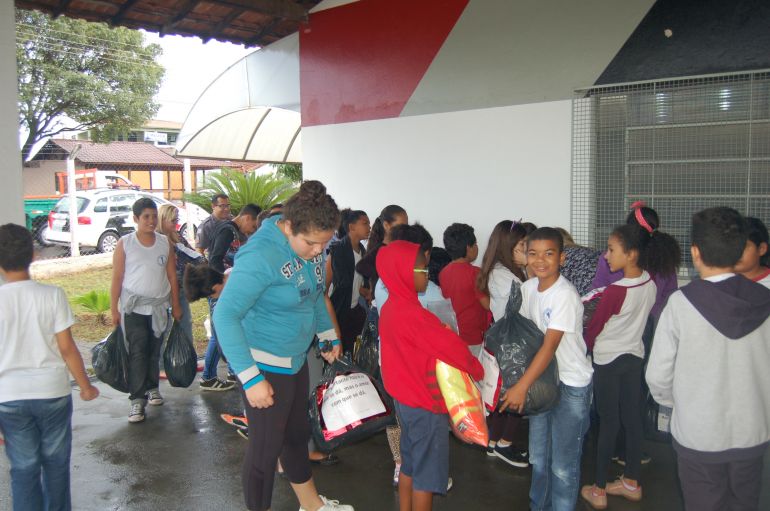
(137, 153)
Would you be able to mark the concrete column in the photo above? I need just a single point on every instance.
(12, 190)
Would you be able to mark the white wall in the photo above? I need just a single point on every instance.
(11, 194)
(477, 166)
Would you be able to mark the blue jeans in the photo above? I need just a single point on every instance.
(38, 442)
(213, 351)
(555, 448)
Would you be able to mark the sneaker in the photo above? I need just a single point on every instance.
(216, 385)
(137, 412)
(396, 473)
(232, 378)
(595, 500)
(646, 459)
(491, 448)
(512, 456)
(332, 505)
(620, 488)
(449, 484)
(154, 398)
(244, 432)
(235, 420)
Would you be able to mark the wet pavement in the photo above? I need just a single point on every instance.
(184, 457)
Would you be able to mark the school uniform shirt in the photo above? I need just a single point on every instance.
(709, 363)
(31, 365)
(500, 281)
(617, 325)
(559, 308)
(764, 279)
(412, 338)
(666, 284)
(458, 284)
(272, 307)
(145, 271)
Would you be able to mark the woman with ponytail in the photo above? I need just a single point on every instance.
(390, 217)
(267, 316)
(344, 284)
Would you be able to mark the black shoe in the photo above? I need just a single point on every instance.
(216, 385)
(232, 378)
(512, 456)
(329, 459)
(244, 432)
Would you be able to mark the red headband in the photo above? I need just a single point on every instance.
(637, 207)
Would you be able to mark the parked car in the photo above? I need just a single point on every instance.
(104, 215)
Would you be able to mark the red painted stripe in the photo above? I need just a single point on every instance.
(363, 61)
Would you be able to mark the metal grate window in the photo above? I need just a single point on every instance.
(679, 145)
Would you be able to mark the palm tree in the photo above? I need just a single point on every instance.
(263, 190)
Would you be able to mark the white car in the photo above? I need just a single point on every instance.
(104, 215)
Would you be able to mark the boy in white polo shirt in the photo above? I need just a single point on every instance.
(555, 436)
(36, 350)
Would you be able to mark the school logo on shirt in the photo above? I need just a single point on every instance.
(162, 260)
(547, 317)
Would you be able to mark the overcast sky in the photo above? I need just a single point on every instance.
(190, 67)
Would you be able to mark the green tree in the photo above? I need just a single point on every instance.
(291, 171)
(102, 78)
(260, 189)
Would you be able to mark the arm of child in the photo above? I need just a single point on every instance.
(516, 396)
(71, 355)
(118, 271)
(336, 351)
(329, 273)
(660, 368)
(448, 347)
(176, 307)
(484, 301)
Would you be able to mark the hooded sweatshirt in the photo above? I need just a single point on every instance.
(271, 307)
(412, 338)
(709, 362)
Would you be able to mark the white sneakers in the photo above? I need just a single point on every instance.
(332, 505)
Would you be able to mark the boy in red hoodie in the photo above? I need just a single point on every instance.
(412, 340)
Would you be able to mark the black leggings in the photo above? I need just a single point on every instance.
(618, 398)
(281, 430)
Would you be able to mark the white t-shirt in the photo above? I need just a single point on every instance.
(499, 284)
(765, 281)
(145, 270)
(559, 308)
(31, 366)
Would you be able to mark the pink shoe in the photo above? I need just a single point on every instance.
(596, 500)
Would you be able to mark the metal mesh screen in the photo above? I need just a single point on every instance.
(679, 145)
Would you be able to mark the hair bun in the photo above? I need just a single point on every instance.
(313, 189)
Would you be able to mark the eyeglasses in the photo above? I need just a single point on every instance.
(422, 270)
(223, 206)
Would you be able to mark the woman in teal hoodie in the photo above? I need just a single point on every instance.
(270, 310)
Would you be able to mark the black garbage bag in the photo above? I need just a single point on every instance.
(179, 358)
(367, 357)
(657, 421)
(514, 340)
(347, 405)
(109, 359)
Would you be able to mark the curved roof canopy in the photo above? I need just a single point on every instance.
(251, 111)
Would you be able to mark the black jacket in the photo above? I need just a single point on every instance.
(343, 270)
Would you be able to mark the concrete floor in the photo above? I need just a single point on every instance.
(184, 457)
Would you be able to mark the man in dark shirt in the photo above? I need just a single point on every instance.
(220, 211)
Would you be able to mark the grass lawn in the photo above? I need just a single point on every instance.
(89, 328)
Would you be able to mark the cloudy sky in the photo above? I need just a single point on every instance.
(190, 67)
